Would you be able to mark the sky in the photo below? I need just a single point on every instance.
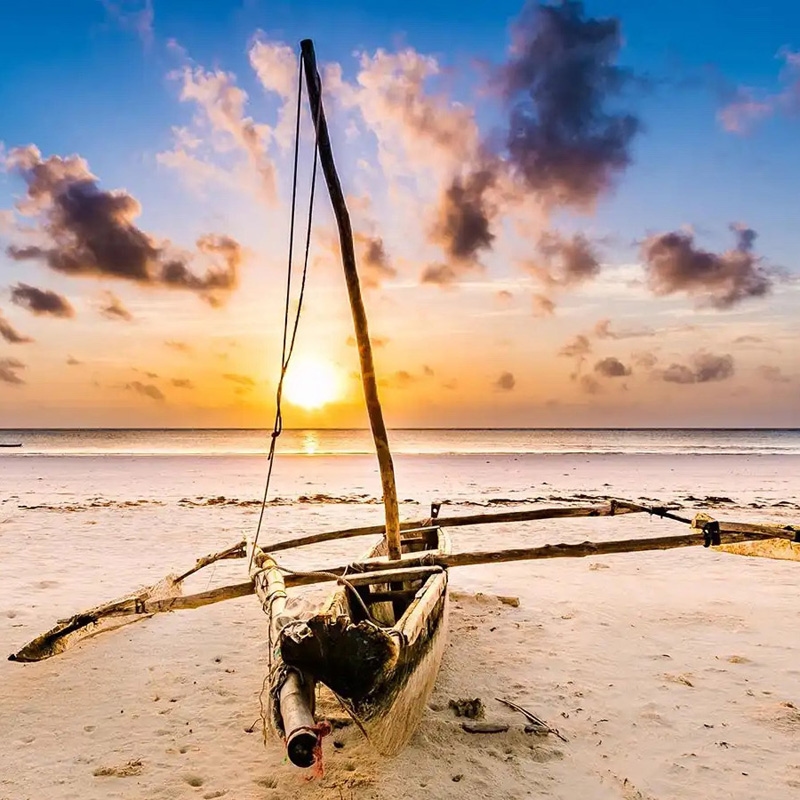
(565, 214)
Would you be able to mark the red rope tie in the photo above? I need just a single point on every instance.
(322, 729)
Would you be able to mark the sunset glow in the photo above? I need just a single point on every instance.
(541, 240)
(311, 384)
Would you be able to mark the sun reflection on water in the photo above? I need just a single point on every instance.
(310, 442)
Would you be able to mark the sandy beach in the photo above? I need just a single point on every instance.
(671, 675)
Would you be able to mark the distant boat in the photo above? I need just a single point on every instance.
(17, 444)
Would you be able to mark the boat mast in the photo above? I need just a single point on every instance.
(356, 303)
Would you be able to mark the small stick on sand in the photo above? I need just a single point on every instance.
(538, 721)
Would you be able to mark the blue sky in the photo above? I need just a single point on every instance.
(103, 80)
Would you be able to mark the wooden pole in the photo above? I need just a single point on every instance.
(379, 435)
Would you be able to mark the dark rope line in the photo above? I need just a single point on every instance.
(286, 353)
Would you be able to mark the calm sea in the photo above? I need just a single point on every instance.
(407, 442)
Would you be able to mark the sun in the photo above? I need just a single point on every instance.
(311, 383)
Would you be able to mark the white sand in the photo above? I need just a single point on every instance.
(673, 675)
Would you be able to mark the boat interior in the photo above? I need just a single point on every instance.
(386, 601)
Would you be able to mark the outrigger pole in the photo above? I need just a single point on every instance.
(376, 422)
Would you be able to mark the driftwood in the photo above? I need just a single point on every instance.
(471, 726)
(538, 724)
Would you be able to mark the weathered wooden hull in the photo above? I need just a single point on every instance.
(382, 668)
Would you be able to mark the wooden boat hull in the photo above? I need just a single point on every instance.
(383, 667)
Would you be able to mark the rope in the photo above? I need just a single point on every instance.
(286, 352)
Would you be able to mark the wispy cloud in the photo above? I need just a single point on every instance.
(41, 302)
(704, 368)
(148, 390)
(134, 15)
(111, 307)
(10, 369)
(10, 334)
(748, 106)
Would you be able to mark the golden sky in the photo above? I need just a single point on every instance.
(512, 285)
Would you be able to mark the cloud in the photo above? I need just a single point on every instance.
(223, 104)
(113, 308)
(277, 70)
(182, 383)
(135, 15)
(146, 390)
(504, 296)
(543, 306)
(718, 280)
(578, 347)
(745, 108)
(704, 368)
(602, 330)
(562, 144)
(773, 374)
(41, 302)
(463, 225)
(415, 128)
(9, 367)
(73, 362)
(181, 347)
(563, 141)
(440, 275)
(10, 334)
(373, 260)
(589, 385)
(611, 367)
(506, 382)
(242, 380)
(748, 339)
(403, 378)
(742, 113)
(91, 232)
(644, 359)
(565, 260)
(376, 341)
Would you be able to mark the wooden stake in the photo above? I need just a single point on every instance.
(379, 435)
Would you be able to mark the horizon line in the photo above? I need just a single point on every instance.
(414, 428)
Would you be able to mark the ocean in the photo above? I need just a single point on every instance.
(430, 442)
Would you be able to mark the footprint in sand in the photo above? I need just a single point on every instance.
(194, 780)
(267, 783)
(45, 584)
(11, 614)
